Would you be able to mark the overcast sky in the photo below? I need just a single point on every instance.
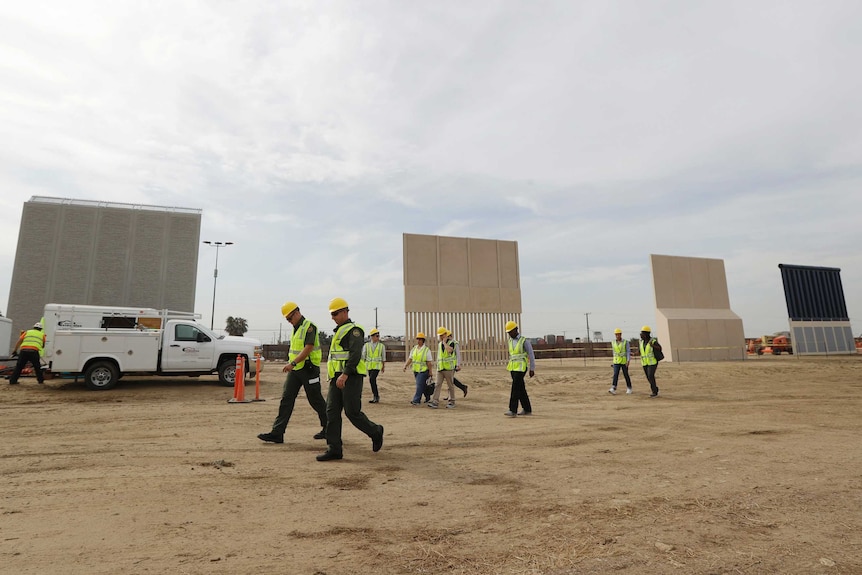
(313, 134)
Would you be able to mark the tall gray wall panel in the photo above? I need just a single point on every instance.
(183, 242)
(31, 274)
(147, 253)
(113, 244)
(71, 270)
(101, 253)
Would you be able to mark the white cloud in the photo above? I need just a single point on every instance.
(314, 134)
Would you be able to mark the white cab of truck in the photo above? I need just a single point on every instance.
(103, 343)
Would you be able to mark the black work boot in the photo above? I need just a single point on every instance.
(271, 437)
(329, 456)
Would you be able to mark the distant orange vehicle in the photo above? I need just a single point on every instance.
(774, 344)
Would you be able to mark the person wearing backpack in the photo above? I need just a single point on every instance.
(651, 353)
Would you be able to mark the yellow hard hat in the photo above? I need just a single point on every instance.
(448, 332)
(646, 328)
(288, 307)
(420, 335)
(510, 325)
(337, 304)
(618, 330)
(442, 330)
(374, 331)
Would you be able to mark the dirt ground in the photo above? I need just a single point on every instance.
(739, 468)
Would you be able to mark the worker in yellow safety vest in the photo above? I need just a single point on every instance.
(374, 355)
(521, 357)
(648, 346)
(29, 348)
(419, 359)
(303, 372)
(462, 386)
(346, 370)
(447, 363)
(622, 356)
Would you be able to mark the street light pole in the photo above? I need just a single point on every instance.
(216, 245)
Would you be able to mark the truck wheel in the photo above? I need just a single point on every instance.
(101, 376)
(227, 373)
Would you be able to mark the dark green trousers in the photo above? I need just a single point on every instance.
(348, 400)
(309, 378)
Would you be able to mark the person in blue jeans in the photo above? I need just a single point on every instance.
(420, 360)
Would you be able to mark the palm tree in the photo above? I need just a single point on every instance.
(236, 326)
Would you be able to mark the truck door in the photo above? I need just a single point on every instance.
(186, 348)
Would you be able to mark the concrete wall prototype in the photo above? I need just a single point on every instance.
(103, 253)
(694, 321)
(471, 286)
(817, 311)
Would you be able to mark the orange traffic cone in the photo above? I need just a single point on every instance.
(239, 382)
(257, 380)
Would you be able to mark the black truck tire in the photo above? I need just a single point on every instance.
(102, 376)
(227, 373)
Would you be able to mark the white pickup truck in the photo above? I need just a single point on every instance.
(104, 343)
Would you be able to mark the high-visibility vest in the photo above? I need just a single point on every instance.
(297, 344)
(33, 339)
(447, 360)
(374, 355)
(647, 356)
(338, 355)
(517, 355)
(420, 356)
(619, 351)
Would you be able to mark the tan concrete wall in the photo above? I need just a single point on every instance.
(694, 321)
(471, 286)
(101, 253)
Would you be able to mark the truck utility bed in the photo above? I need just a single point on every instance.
(138, 349)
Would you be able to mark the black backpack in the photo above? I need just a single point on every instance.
(657, 353)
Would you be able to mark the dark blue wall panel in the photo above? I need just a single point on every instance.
(813, 293)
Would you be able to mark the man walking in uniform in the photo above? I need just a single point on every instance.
(648, 345)
(374, 355)
(520, 356)
(622, 357)
(346, 370)
(30, 346)
(303, 371)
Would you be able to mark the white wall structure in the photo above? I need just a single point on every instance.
(694, 321)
